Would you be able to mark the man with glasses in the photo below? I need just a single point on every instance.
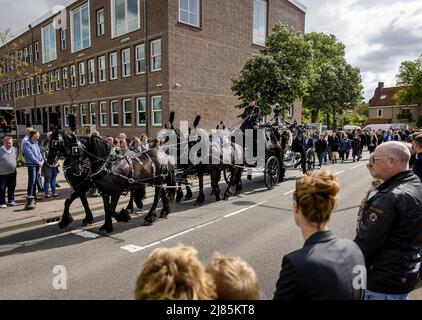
(390, 229)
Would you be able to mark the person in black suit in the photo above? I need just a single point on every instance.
(417, 146)
(326, 267)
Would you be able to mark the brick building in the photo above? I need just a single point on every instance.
(383, 108)
(92, 56)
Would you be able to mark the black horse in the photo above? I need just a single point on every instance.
(113, 172)
(67, 146)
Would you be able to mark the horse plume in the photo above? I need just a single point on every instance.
(196, 122)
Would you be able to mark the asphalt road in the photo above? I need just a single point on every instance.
(257, 226)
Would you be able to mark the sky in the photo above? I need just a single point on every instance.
(378, 35)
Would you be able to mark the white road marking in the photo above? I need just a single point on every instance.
(337, 173)
(134, 248)
(291, 191)
(359, 165)
(85, 234)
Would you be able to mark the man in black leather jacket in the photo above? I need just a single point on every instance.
(390, 227)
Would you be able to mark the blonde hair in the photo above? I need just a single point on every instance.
(174, 274)
(234, 278)
(316, 196)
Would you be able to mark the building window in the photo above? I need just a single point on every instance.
(38, 84)
(73, 76)
(156, 55)
(18, 89)
(259, 21)
(82, 74)
(103, 114)
(126, 63)
(380, 113)
(1, 94)
(383, 97)
(50, 81)
(100, 22)
(290, 110)
(25, 54)
(63, 39)
(32, 86)
(113, 65)
(91, 71)
(189, 12)
(157, 113)
(124, 17)
(80, 28)
(92, 113)
(57, 79)
(44, 83)
(30, 53)
(37, 51)
(141, 114)
(101, 69)
(84, 114)
(114, 108)
(66, 115)
(127, 112)
(64, 73)
(48, 37)
(23, 87)
(140, 59)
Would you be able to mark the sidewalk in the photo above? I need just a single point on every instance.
(48, 210)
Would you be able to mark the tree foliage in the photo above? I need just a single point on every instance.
(410, 75)
(333, 83)
(279, 73)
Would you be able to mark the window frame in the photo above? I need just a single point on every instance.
(73, 76)
(66, 114)
(138, 112)
(126, 63)
(378, 113)
(100, 109)
(125, 124)
(199, 4)
(138, 60)
(116, 102)
(57, 75)
(114, 54)
(102, 58)
(100, 30)
(63, 39)
(52, 55)
(91, 71)
(254, 40)
(72, 36)
(113, 18)
(81, 107)
(82, 73)
(65, 77)
(92, 113)
(154, 124)
(153, 57)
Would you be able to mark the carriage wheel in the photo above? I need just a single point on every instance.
(310, 163)
(227, 175)
(272, 172)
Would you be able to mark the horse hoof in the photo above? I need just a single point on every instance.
(188, 197)
(104, 231)
(148, 222)
(63, 224)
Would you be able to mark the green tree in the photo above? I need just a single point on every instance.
(279, 73)
(410, 76)
(333, 83)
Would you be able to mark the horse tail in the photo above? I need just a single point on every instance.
(139, 195)
(171, 182)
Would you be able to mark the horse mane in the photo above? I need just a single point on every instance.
(99, 146)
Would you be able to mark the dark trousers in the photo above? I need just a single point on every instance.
(321, 157)
(33, 176)
(7, 182)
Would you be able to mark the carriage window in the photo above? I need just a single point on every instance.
(66, 115)
(114, 107)
(157, 113)
(103, 114)
(127, 113)
(141, 114)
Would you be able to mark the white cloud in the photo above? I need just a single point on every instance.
(378, 36)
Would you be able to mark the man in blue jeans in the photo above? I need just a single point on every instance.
(390, 225)
(34, 161)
